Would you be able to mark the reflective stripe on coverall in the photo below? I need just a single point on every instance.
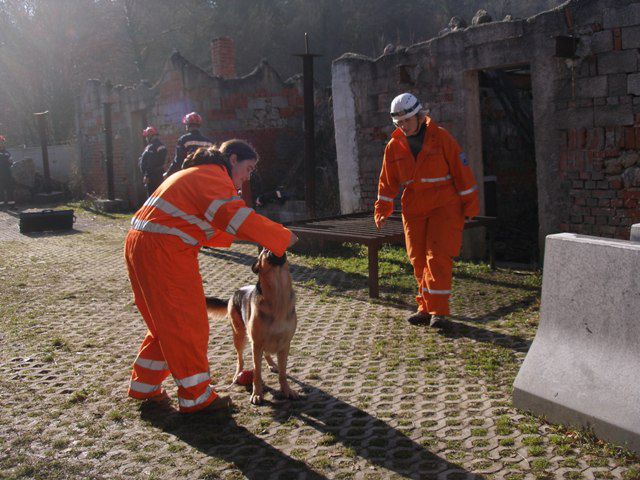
(194, 207)
(186, 144)
(439, 192)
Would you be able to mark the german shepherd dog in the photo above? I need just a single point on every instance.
(266, 313)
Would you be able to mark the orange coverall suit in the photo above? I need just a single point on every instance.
(194, 207)
(439, 192)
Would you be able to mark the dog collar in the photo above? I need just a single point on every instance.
(275, 260)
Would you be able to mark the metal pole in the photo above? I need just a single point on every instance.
(108, 142)
(42, 127)
(309, 128)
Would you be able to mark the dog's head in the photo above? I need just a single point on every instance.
(267, 261)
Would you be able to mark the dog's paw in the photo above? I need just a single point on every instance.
(256, 399)
(290, 393)
(273, 368)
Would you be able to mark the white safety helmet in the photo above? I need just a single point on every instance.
(404, 106)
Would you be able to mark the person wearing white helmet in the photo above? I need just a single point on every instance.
(439, 193)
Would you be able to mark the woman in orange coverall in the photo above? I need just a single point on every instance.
(197, 206)
(439, 193)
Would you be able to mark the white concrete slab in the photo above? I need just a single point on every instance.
(583, 367)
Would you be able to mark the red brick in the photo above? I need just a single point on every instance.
(629, 138)
(581, 137)
(617, 39)
(615, 183)
(595, 138)
(573, 139)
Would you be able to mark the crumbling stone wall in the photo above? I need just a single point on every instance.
(585, 109)
(259, 107)
(599, 109)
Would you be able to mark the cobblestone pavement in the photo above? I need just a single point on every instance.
(382, 399)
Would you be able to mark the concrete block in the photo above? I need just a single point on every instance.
(625, 61)
(575, 118)
(621, 17)
(633, 84)
(591, 87)
(602, 41)
(582, 366)
(631, 37)
(617, 84)
(635, 233)
(613, 115)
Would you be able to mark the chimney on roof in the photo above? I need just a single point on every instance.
(223, 57)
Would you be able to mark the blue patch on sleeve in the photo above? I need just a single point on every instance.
(463, 159)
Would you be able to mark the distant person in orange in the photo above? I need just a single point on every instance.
(196, 206)
(439, 194)
(6, 178)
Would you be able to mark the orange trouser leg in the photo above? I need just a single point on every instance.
(150, 367)
(170, 282)
(443, 238)
(415, 233)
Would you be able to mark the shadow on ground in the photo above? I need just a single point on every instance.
(472, 328)
(218, 435)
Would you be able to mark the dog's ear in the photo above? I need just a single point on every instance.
(255, 268)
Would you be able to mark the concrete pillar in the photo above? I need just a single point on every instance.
(223, 57)
(344, 117)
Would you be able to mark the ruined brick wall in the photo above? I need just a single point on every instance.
(259, 107)
(600, 133)
(585, 138)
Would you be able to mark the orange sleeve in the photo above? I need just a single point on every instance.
(235, 218)
(388, 187)
(462, 175)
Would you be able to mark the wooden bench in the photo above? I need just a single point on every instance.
(360, 228)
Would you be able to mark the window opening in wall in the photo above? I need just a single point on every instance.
(509, 161)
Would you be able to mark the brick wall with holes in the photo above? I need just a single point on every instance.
(585, 103)
(600, 161)
(260, 108)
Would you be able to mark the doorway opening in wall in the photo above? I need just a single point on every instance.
(509, 162)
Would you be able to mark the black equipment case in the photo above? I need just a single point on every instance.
(34, 220)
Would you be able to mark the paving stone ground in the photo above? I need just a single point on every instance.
(382, 399)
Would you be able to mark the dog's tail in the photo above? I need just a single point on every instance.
(216, 308)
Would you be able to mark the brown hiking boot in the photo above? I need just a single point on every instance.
(418, 318)
(438, 321)
(162, 397)
(222, 402)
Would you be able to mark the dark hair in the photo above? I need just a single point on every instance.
(244, 150)
(220, 155)
(206, 156)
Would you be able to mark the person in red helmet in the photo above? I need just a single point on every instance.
(6, 179)
(197, 206)
(189, 142)
(439, 193)
(152, 160)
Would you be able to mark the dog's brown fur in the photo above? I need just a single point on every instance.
(266, 313)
